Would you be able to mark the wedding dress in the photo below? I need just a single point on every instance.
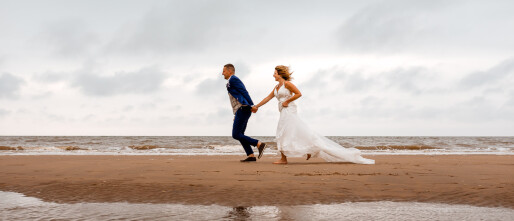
(296, 139)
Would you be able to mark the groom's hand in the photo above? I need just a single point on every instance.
(255, 109)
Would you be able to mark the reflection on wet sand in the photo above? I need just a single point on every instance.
(15, 206)
(238, 213)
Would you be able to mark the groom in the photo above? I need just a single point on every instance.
(242, 107)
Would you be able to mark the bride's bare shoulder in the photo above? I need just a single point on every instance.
(288, 84)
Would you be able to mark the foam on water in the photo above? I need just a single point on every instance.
(15, 206)
(97, 145)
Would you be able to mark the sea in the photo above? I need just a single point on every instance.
(226, 145)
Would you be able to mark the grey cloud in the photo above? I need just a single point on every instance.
(67, 38)
(145, 80)
(350, 82)
(386, 25)
(323, 77)
(52, 117)
(211, 86)
(474, 109)
(510, 101)
(229, 27)
(89, 117)
(428, 26)
(9, 85)
(356, 82)
(377, 108)
(426, 112)
(24, 111)
(42, 95)
(478, 108)
(221, 115)
(176, 27)
(371, 101)
(128, 108)
(147, 106)
(216, 86)
(419, 82)
(410, 79)
(174, 108)
(4, 112)
(52, 76)
(493, 75)
(242, 69)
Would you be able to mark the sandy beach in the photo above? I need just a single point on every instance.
(480, 180)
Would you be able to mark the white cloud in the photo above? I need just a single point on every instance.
(142, 81)
(502, 71)
(4, 112)
(429, 27)
(9, 85)
(70, 38)
(365, 68)
(176, 28)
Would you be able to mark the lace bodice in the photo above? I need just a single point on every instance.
(282, 94)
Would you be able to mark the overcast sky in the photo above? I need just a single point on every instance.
(365, 68)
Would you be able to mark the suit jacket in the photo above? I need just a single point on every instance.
(237, 89)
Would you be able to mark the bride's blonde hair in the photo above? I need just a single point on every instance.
(283, 71)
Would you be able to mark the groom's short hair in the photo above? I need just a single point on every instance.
(230, 67)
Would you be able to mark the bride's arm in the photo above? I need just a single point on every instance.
(297, 94)
(266, 99)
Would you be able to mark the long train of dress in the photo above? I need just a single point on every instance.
(296, 139)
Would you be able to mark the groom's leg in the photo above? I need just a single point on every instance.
(240, 122)
(248, 113)
(246, 145)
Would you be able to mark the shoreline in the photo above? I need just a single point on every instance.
(479, 180)
(406, 153)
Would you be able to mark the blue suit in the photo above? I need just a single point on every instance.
(237, 89)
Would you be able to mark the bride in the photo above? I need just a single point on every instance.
(294, 137)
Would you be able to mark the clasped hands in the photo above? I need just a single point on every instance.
(255, 108)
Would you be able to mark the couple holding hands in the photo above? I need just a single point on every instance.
(294, 137)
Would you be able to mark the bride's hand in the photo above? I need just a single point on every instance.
(285, 104)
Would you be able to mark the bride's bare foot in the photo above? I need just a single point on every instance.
(280, 162)
(308, 156)
(283, 159)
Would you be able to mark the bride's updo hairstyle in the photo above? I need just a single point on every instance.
(283, 71)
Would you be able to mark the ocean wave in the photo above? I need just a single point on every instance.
(37, 148)
(143, 147)
(10, 148)
(227, 146)
(70, 148)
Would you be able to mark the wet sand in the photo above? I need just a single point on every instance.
(480, 180)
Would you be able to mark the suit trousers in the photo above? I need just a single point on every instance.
(239, 127)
